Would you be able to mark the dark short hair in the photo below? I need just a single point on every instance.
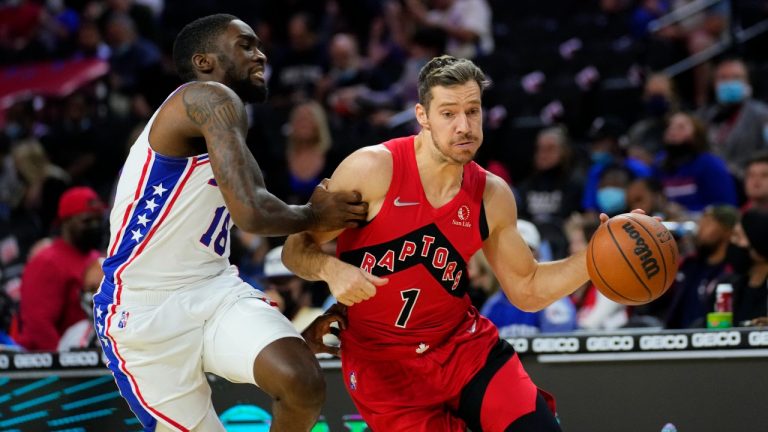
(726, 215)
(199, 36)
(757, 158)
(448, 71)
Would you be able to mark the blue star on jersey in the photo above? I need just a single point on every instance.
(163, 176)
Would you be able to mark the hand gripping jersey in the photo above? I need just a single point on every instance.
(424, 253)
(169, 224)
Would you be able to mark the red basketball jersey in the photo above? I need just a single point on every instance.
(423, 252)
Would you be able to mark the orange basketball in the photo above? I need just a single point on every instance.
(632, 259)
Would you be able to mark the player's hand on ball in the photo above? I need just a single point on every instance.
(336, 210)
(352, 285)
(321, 326)
(604, 217)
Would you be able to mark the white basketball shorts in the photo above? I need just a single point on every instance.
(160, 344)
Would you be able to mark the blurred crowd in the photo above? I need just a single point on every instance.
(584, 116)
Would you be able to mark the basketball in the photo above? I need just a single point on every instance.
(632, 259)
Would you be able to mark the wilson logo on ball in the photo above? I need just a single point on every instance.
(642, 251)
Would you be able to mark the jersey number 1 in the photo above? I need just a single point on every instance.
(409, 297)
(220, 243)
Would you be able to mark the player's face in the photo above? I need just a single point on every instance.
(242, 62)
(455, 121)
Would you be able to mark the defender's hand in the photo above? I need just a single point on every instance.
(336, 210)
(351, 285)
(321, 326)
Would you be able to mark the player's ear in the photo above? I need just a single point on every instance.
(204, 63)
(421, 116)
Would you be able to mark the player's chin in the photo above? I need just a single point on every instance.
(464, 156)
(256, 92)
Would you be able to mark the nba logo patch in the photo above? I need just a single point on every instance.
(123, 319)
(352, 381)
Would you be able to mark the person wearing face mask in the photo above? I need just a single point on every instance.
(750, 285)
(692, 294)
(52, 282)
(607, 152)
(692, 176)
(738, 123)
(82, 333)
(659, 99)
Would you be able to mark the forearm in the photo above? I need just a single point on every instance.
(550, 282)
(268, 215)
(303, 256)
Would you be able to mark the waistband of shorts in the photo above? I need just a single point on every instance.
(144, 297)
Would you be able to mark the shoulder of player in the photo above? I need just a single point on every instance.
(207, 103)
(367, 162)
(499, 201)
(368, 170)
(496, 189)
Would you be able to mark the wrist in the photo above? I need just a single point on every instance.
(308, 217)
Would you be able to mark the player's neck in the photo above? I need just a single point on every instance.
(441, 178)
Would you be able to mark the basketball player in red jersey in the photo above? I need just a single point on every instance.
(416, 355)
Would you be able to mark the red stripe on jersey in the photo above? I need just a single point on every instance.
(134, 385)
(137, 252)
(139, 188)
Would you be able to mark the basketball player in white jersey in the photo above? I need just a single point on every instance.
(170, 306)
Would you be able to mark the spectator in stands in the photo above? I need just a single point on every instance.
(131, 54)
(646, 135)
(347, 66)
(82, 334)
(750, 288)
(594, 311)
(692, 294)
(756, 182)
(552, 193)
(606, 152)
(560, 316)
(612, 190)
(300, 65)
(53, 277)
(466, 22)
(308, 143)
(77, 142)
(141, 14)
(693, 34)
(291, 293)
(90, 44)
(647, 193)
(44, 181)
(692, 176)
(738, 124)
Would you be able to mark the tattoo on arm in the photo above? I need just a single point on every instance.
(222, 118)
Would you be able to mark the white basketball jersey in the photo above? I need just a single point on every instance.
(169, 226)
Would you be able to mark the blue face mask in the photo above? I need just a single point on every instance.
(601, 158)
(611, 200)
(731, 92)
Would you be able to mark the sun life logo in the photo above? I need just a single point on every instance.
(463, 215)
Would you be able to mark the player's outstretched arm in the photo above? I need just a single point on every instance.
(219, 115)
(369, 171)
(529, 285)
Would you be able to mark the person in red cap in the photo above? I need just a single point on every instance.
(53, 277)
